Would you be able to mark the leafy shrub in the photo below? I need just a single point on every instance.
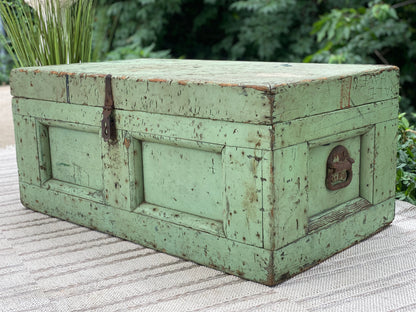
(265, 30)
(406, 161)
(130, 28)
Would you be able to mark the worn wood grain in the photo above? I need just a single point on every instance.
(292, 184)
(384, 161)
(315, 97)
(243, 194)
(224, 90)
(367, 165)
(27, 149)
(116, 176)
(306, 129)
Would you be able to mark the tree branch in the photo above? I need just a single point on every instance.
(381, 57)
(403, 3)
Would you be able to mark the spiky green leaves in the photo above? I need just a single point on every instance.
(48, 31)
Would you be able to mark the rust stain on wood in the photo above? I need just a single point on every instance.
(61, 74)
(258, 88)
(228, 85)
(127, 143)
(345, 100)
(157, 80)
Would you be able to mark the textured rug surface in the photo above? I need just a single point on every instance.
(50, 265)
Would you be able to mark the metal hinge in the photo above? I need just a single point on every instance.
(108, 126)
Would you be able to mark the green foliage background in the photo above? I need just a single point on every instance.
(406, 161)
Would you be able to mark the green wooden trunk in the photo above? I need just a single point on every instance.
(233, 165)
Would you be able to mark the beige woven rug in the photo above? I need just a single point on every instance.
(51, 265)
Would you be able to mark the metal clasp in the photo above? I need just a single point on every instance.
(107, 124)
(338, 168)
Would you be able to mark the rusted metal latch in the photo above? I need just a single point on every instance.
(338, 168)
(107, 124)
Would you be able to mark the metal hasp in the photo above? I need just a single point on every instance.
(339, 168)
(108, 124)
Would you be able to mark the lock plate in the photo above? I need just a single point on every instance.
(338, 169)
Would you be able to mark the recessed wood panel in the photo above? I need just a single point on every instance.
(76, 157)
(320, 197)
(183, 179)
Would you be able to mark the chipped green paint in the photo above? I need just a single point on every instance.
(222, 163)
